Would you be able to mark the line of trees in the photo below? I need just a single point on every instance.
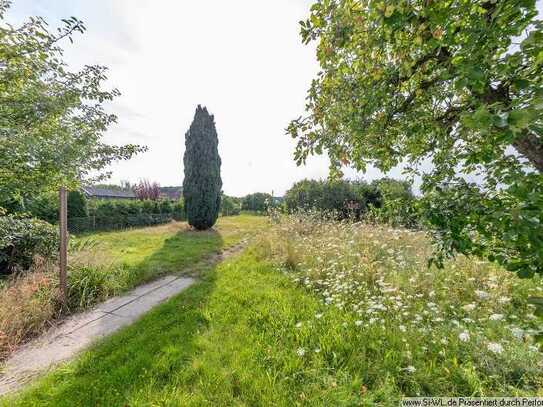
(385, 200)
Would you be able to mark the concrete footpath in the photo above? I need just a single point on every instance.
(77, 332)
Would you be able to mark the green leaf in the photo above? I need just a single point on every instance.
(520, 119)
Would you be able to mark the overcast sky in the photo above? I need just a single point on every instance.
(243, 59)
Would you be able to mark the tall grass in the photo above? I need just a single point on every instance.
(467, 326)
(29, 303)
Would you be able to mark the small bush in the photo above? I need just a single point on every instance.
(44, 207)
(23, 239)
(165, 206)
(230, 206)
(77, 205)
(179, 210)
(397, 212)
(257, 202)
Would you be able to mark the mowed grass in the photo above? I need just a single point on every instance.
(229, 340)
(152, 251)
(106, 264)
(317, 313)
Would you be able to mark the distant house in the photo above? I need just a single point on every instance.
(172, 193)
(108, 193)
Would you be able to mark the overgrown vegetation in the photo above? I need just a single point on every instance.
(318, 313)
(452, 90)
(106, 264)
(385, 200)
(230, 205)
(468, 328)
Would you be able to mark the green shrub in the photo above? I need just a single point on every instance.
(23, 239)
(258, 202)
(77, 205)
(117, 214)
(165, 206)
(230, 206)
(397, 205)
(44, 207)
(346, 198)
(179, 210)
(397, 212)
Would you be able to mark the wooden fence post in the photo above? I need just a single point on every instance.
(63, 255)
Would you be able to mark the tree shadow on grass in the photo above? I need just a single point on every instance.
(148, 351)
(179, 254)
(134, 362)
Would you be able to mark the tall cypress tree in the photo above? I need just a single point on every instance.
(202, 184)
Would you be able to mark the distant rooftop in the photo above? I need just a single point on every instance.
(108, 193)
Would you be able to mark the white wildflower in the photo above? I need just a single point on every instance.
(464, 336)
(358, 323)
(469, 307)
(300, 352)
(496, 317)
(298, 325)
(517, 332)
(483, 295)
(494, 347)
(410, 369)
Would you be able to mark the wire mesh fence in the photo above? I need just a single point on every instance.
(117, 222)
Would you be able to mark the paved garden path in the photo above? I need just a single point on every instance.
(77, 332)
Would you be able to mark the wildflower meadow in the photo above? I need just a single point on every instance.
(464, 329)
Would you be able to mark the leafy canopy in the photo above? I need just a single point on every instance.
(454, 85)
(51, 120)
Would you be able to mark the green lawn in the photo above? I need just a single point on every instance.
(105, 264)
(116, 261)
(166, 247)
(229, 340)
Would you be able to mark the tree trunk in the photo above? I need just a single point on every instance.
(532, 149)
